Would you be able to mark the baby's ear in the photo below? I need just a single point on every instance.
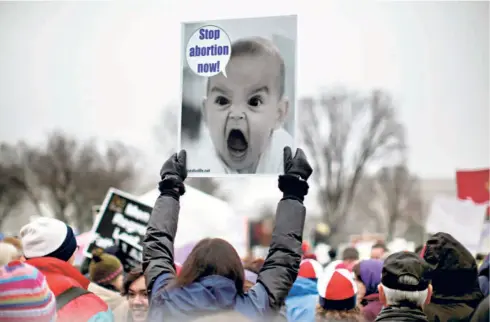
(282, 112)
(203, 108)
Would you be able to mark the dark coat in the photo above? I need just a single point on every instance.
(401, 313)
(483, 276)
(482, 312)
(214, 293)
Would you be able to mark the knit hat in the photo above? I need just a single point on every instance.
(48, 237)
(25, 295)
(104, 268)
(337, 290)
(310, 268)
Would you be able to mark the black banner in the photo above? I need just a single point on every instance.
(122, 222)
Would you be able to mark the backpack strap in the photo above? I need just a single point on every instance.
(69, 295)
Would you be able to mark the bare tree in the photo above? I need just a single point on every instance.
(71, 176)
(10, 196)
(344, 133)
(367, 207)
(393, 197)
(97, 171)
(16, 181)
(402, 197)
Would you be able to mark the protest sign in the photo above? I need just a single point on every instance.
(122, 221)
(238, 95)
(463, 219)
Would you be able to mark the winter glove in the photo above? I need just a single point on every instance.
(173, 174)
(296, 171)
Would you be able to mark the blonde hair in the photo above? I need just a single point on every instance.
(8, 253)
(13, 241)
(353, 315)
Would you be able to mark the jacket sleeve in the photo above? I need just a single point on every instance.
(282, 263)
(158, 244)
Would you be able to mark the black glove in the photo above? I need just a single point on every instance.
(173, 174)
(296, 171)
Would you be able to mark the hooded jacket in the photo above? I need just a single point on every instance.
(301, 301)
(60, 276)
(454, 275)
(214, 293)
(370, 271)
(483, 276)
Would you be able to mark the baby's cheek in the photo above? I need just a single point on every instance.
(261, 134)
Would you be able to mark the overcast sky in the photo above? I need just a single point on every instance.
(106, 69)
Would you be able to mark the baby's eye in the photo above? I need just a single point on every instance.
(255, 101)
(221, 100)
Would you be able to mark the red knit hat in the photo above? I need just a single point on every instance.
(337, 290)
(310, 268)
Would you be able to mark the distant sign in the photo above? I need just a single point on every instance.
(122, 220)
(463, 219)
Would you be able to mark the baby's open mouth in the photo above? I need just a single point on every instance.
(237, 144)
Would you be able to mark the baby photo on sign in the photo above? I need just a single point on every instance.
(238, 95)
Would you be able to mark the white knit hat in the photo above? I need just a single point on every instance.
(48, 237)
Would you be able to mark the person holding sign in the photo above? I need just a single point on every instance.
(212, 278)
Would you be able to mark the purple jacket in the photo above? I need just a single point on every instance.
(372, 307)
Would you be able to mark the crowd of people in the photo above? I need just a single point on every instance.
(440, 281)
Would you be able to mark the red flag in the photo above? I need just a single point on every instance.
(473, 185)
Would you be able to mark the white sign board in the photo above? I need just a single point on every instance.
(463, 219)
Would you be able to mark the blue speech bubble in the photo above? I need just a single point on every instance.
(208, 51)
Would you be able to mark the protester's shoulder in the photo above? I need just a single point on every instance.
(87, 306)
(59, 283)
(443, 312)
(300, 313)
(255, 301)
(301, 308)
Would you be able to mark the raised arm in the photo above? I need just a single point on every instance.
(158, 244)
(282, 263)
